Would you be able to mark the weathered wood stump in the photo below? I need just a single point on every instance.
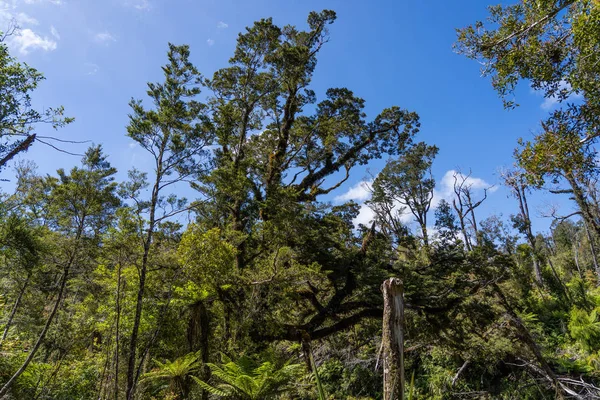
(393, 339)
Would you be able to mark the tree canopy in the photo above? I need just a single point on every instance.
(261, 286)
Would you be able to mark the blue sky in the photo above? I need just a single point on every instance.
(98, 54)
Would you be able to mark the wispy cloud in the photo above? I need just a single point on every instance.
(359, 192)
(25, 19)
(210, 42)
(27, 40)
(222, 25)
(104, 37)
(92, 69)
(54, 32)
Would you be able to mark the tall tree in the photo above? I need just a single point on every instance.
(278, 154)
(175, 135)
(408, 183)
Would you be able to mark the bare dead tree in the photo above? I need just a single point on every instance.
(465, 205)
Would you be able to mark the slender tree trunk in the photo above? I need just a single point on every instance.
(117, 331)
(519, 190)
(144, 355)
(537, 270)
(198, 338)
(13, 312)
(136, 323)
(593, 249)
(459, 372)
(393, 339)
(576, 257)
(425, 235)
(105, 377)
(42, 335)
(586, 211)
(463, 229)
(474, 222)
(143, 271)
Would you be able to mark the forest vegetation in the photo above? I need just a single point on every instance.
(272, 291)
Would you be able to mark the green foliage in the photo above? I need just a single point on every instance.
(320, 391)
(405, 184)
(176, 373)
(246, 380)
(100, 289)
(585, 328)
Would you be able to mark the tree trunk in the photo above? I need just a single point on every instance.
(198, 338)
(519, 190)
(586, 211)
(136, 322)
(13, 312)
(393, 339)
(117, 332)
(143, 271)
(425, 235)
(576, 257)
(536, 269)
(593, 249)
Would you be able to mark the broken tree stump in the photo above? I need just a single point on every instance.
(393, 339)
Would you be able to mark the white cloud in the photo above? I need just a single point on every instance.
(25, 19)
(365, 216)
(445, 187)
(222, 25)
(54, 32)
(9, 14)
(104, 37)
(359, 192)
(27, 40)
(132, 145)
(210, 42)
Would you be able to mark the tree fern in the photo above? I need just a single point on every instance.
(175, 372)
(585, 328)
(244, 380)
